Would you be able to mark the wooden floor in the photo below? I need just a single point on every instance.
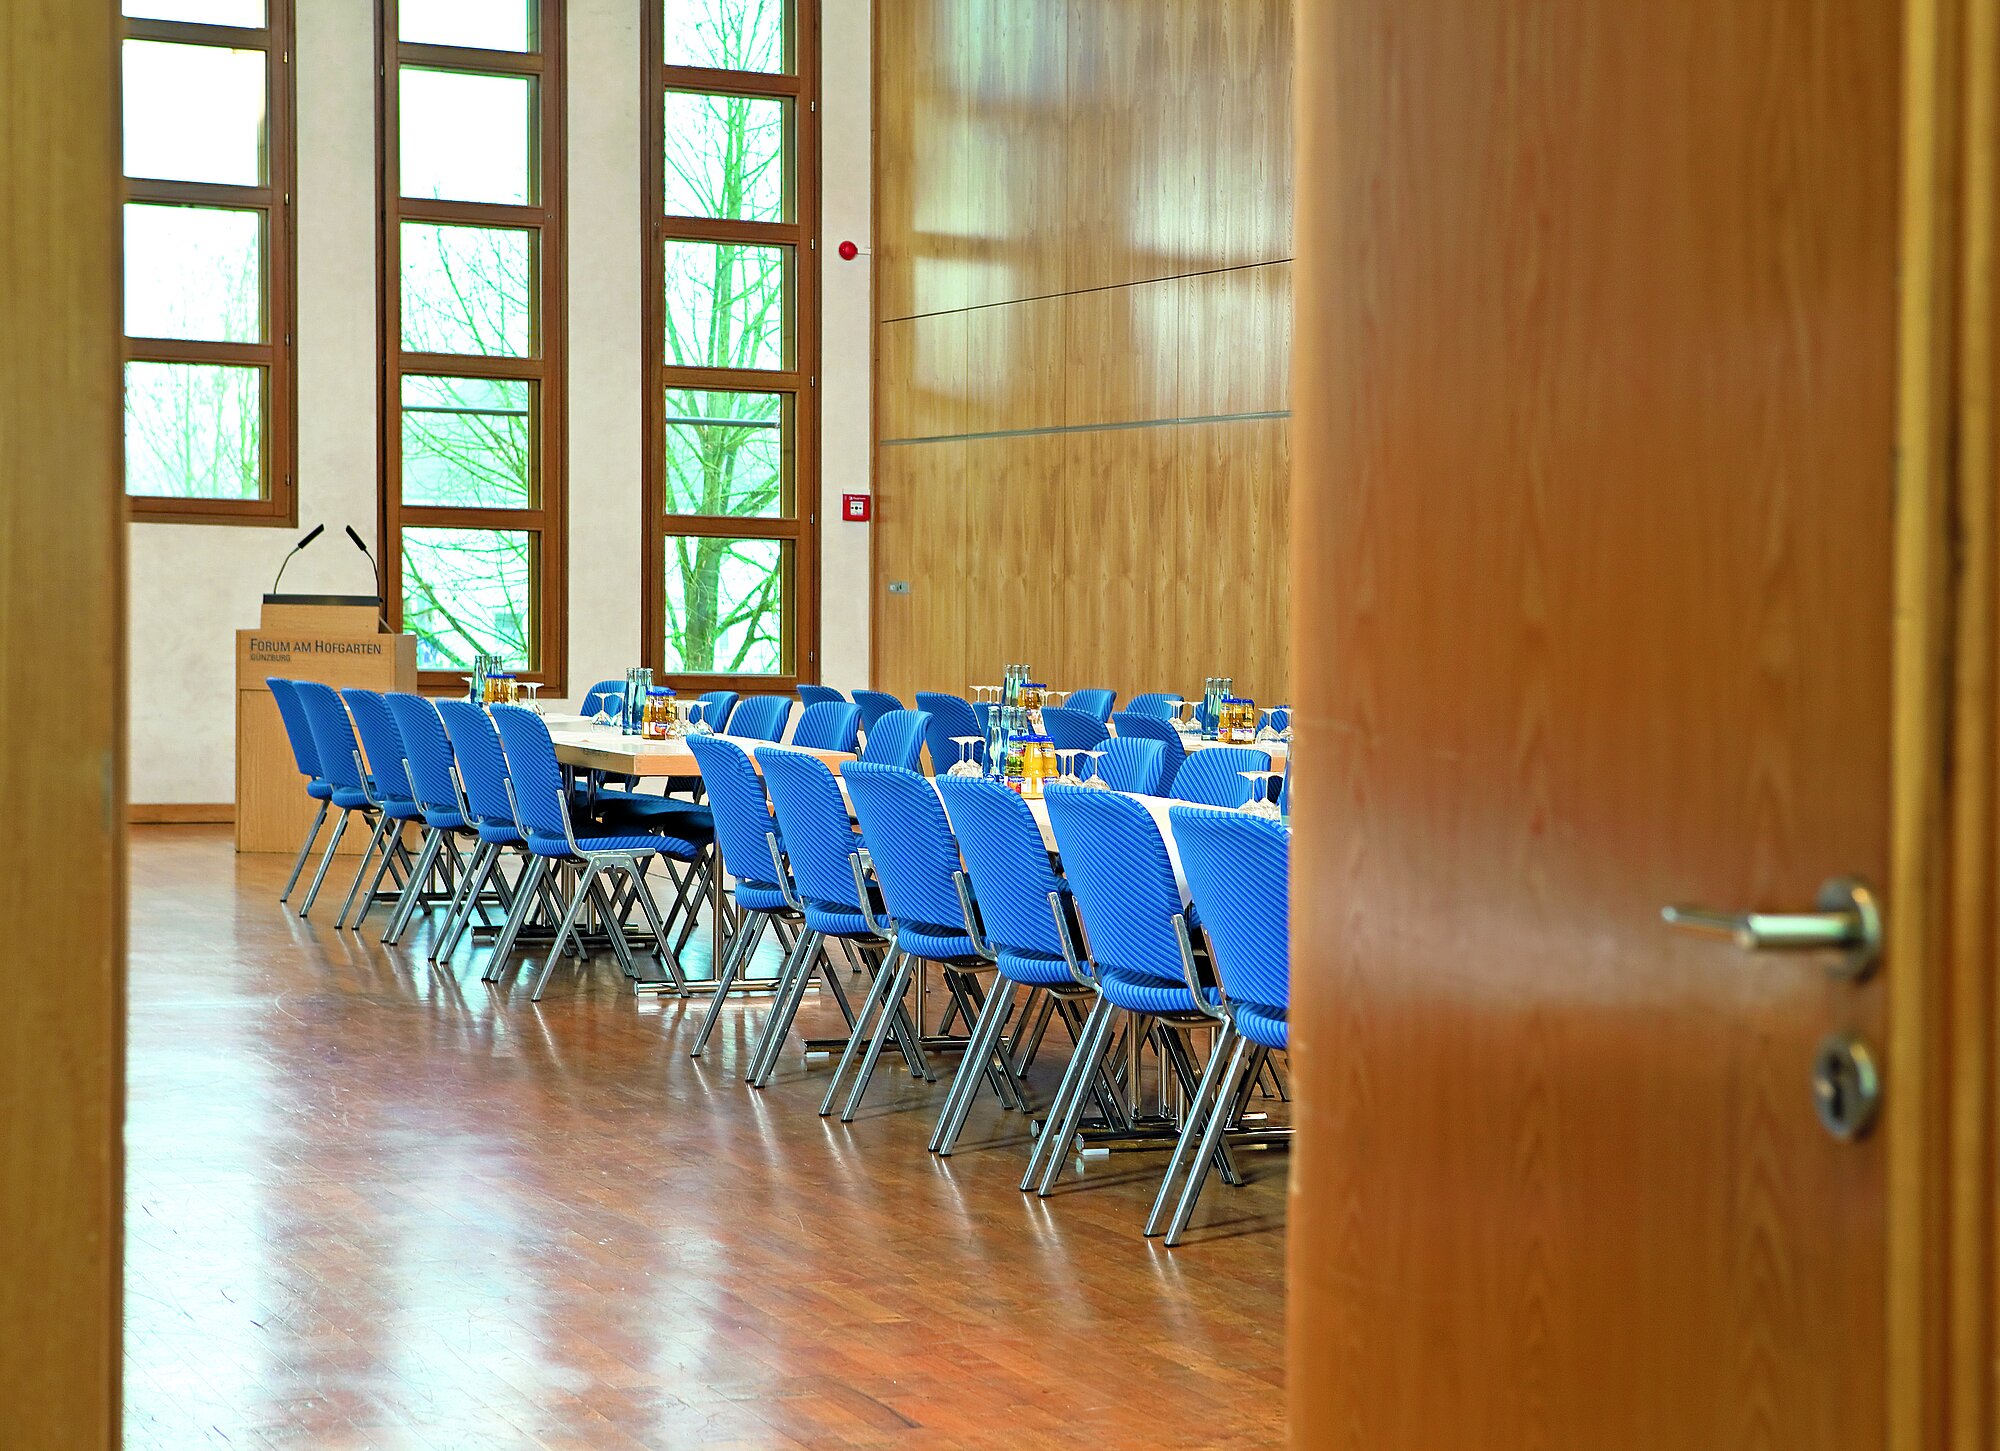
(376, 1205)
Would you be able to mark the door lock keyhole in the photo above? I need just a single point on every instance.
(1847, 1088)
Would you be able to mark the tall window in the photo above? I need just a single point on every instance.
(732, 415)
(208, 272)
(472, 335)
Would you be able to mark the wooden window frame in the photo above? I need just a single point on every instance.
(546, 369)
(276, 354)
(800, 606)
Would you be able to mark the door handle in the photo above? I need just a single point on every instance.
(1848, 920)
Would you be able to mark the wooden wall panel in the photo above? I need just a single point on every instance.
(1083, 288)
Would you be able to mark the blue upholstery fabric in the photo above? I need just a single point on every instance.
(1277, 720)
(1214, 777)
(1094, 702)
(741, 813)
(829, 725)
(897, 739)
(612, 839)
(349, 798)
(482, 770)
(539, 800)
(915, 857)
(761, 718)
(594, 697)
(718, 706)
(936, 946)
(1131, 764)
(388, 777)
(1072, 730)
(428, 750)
(874, 705)
(1159, 704)
(1239, 874)
(334, 741)
(635, 811)
(812, 695)
(1137, 993)
(1011, 878)
(320, 790)
(1150, 728)
(1271, 1028)
(1117, 865)
(298, 729)
(950, 716)
(818, 839)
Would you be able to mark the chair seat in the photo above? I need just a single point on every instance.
(1266, 1026)
(935, 944)
(626, 811)
(652, 843)
(499, 835)
(349, 798)
(444, 821)
(401, 808)
(756, 897)
(319, 790)
(837, 921)
(1150, 995)
(1035, 969)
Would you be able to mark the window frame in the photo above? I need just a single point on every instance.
(799, 622)
(545, 369)
(277, 353)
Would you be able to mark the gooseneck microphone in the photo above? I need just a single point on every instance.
(381, 597)
(317, 530)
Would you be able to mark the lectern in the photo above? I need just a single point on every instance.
(338, 640)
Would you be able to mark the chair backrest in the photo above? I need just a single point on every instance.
(333, 733)
(910, 843)
(812, 818)
(534, 770)
(951, 715)
(1239, 874)
(428, 750)
(874, 705)
(719, 706)
(1158, 703)
(482, 764)
(1118, 868)
(1277, 719)
(1007, 861)
(1213, 777)
(812, 695)
(741, 808)
(1072, 730)
(384, 744)
(1153, 728)
(897, 739)
(298, 728)
(829, 725)
(1095, 702)
(594, 697)
(761, 718)
(1132, 764)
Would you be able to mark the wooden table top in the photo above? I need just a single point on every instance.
(578, 743)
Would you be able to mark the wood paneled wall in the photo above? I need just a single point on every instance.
(1083, 303)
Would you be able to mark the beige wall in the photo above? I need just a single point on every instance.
(193, 586)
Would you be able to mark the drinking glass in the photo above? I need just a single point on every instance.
(966, 765)
(610, 712)
(531, 686)
(1067, 768)
(1094, 779)
(1184, 716)
(1260, 803)
(1284, 732)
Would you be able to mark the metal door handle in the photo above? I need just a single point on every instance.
(1849, 921)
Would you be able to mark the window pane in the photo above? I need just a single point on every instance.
(468, 442)
(485, 24)
(200, 12)
(726, 603)
(194, 431)
(729, 453)
(194, 113)
(466, 592)
(194, 273)
(727, 157)
(468, 290)
(730, 35)
(468, 138)
(728, 305)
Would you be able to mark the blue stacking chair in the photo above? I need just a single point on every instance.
(395, 804)
(897, 739)
(1095, 702)
(1239, 873)
(716, 708)
(542, 808)
(339, 753)
(427, 756)
(760, 718)
(817, 873)
(1141, 954)
(1214, 777)
(1131, 764)
(1158, 703)
(1152, 728)
(874, 705)
(951, 716)
(596, 695)
(812, 695)
(480, 769)
(1072, 730)
(828, 725)
(1009, 887)
(298, 730)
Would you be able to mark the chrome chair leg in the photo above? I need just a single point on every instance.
(305, 850)
(1093, 1054)
(799, 959)
(428, 861)
(332, 846)
(1199, 1107)
(361, 871)
(527, 893)
(669, 957)
(470, 883)
(779, 1026)
(986, 1033)
(1211, 1139)
(892, 1006)
(1075, 1076)
(393, 866)
(871, 1007)
(742, 947)
(565, 927)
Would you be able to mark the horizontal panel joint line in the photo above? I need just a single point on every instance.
(1090, 427)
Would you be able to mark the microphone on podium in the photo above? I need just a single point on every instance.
(317, 530)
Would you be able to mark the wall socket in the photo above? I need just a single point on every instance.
(899, 586)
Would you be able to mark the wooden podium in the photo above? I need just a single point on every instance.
(337, 640)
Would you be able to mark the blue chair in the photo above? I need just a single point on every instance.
(897, 739)
(1214, 777)
(760, 718)
(1094, 702)
(480, 766)
(597, 694)
(1239, 873)
(874, 705)
(717, 707)
(828, 725)
(542, 808)
(1141, 955)
(427, 756)
(1151, 728)
(1159, 704)
(339, 754)
(395, 804)
(298, 730)
(1072, 730)
(1010, 883)
(812, 695)
(951, 716)
(1278, 720)
(818, 875)
(1132, 765)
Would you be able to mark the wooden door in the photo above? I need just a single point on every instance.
(1595, 396)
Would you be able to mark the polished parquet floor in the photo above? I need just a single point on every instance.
(370, 1204)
